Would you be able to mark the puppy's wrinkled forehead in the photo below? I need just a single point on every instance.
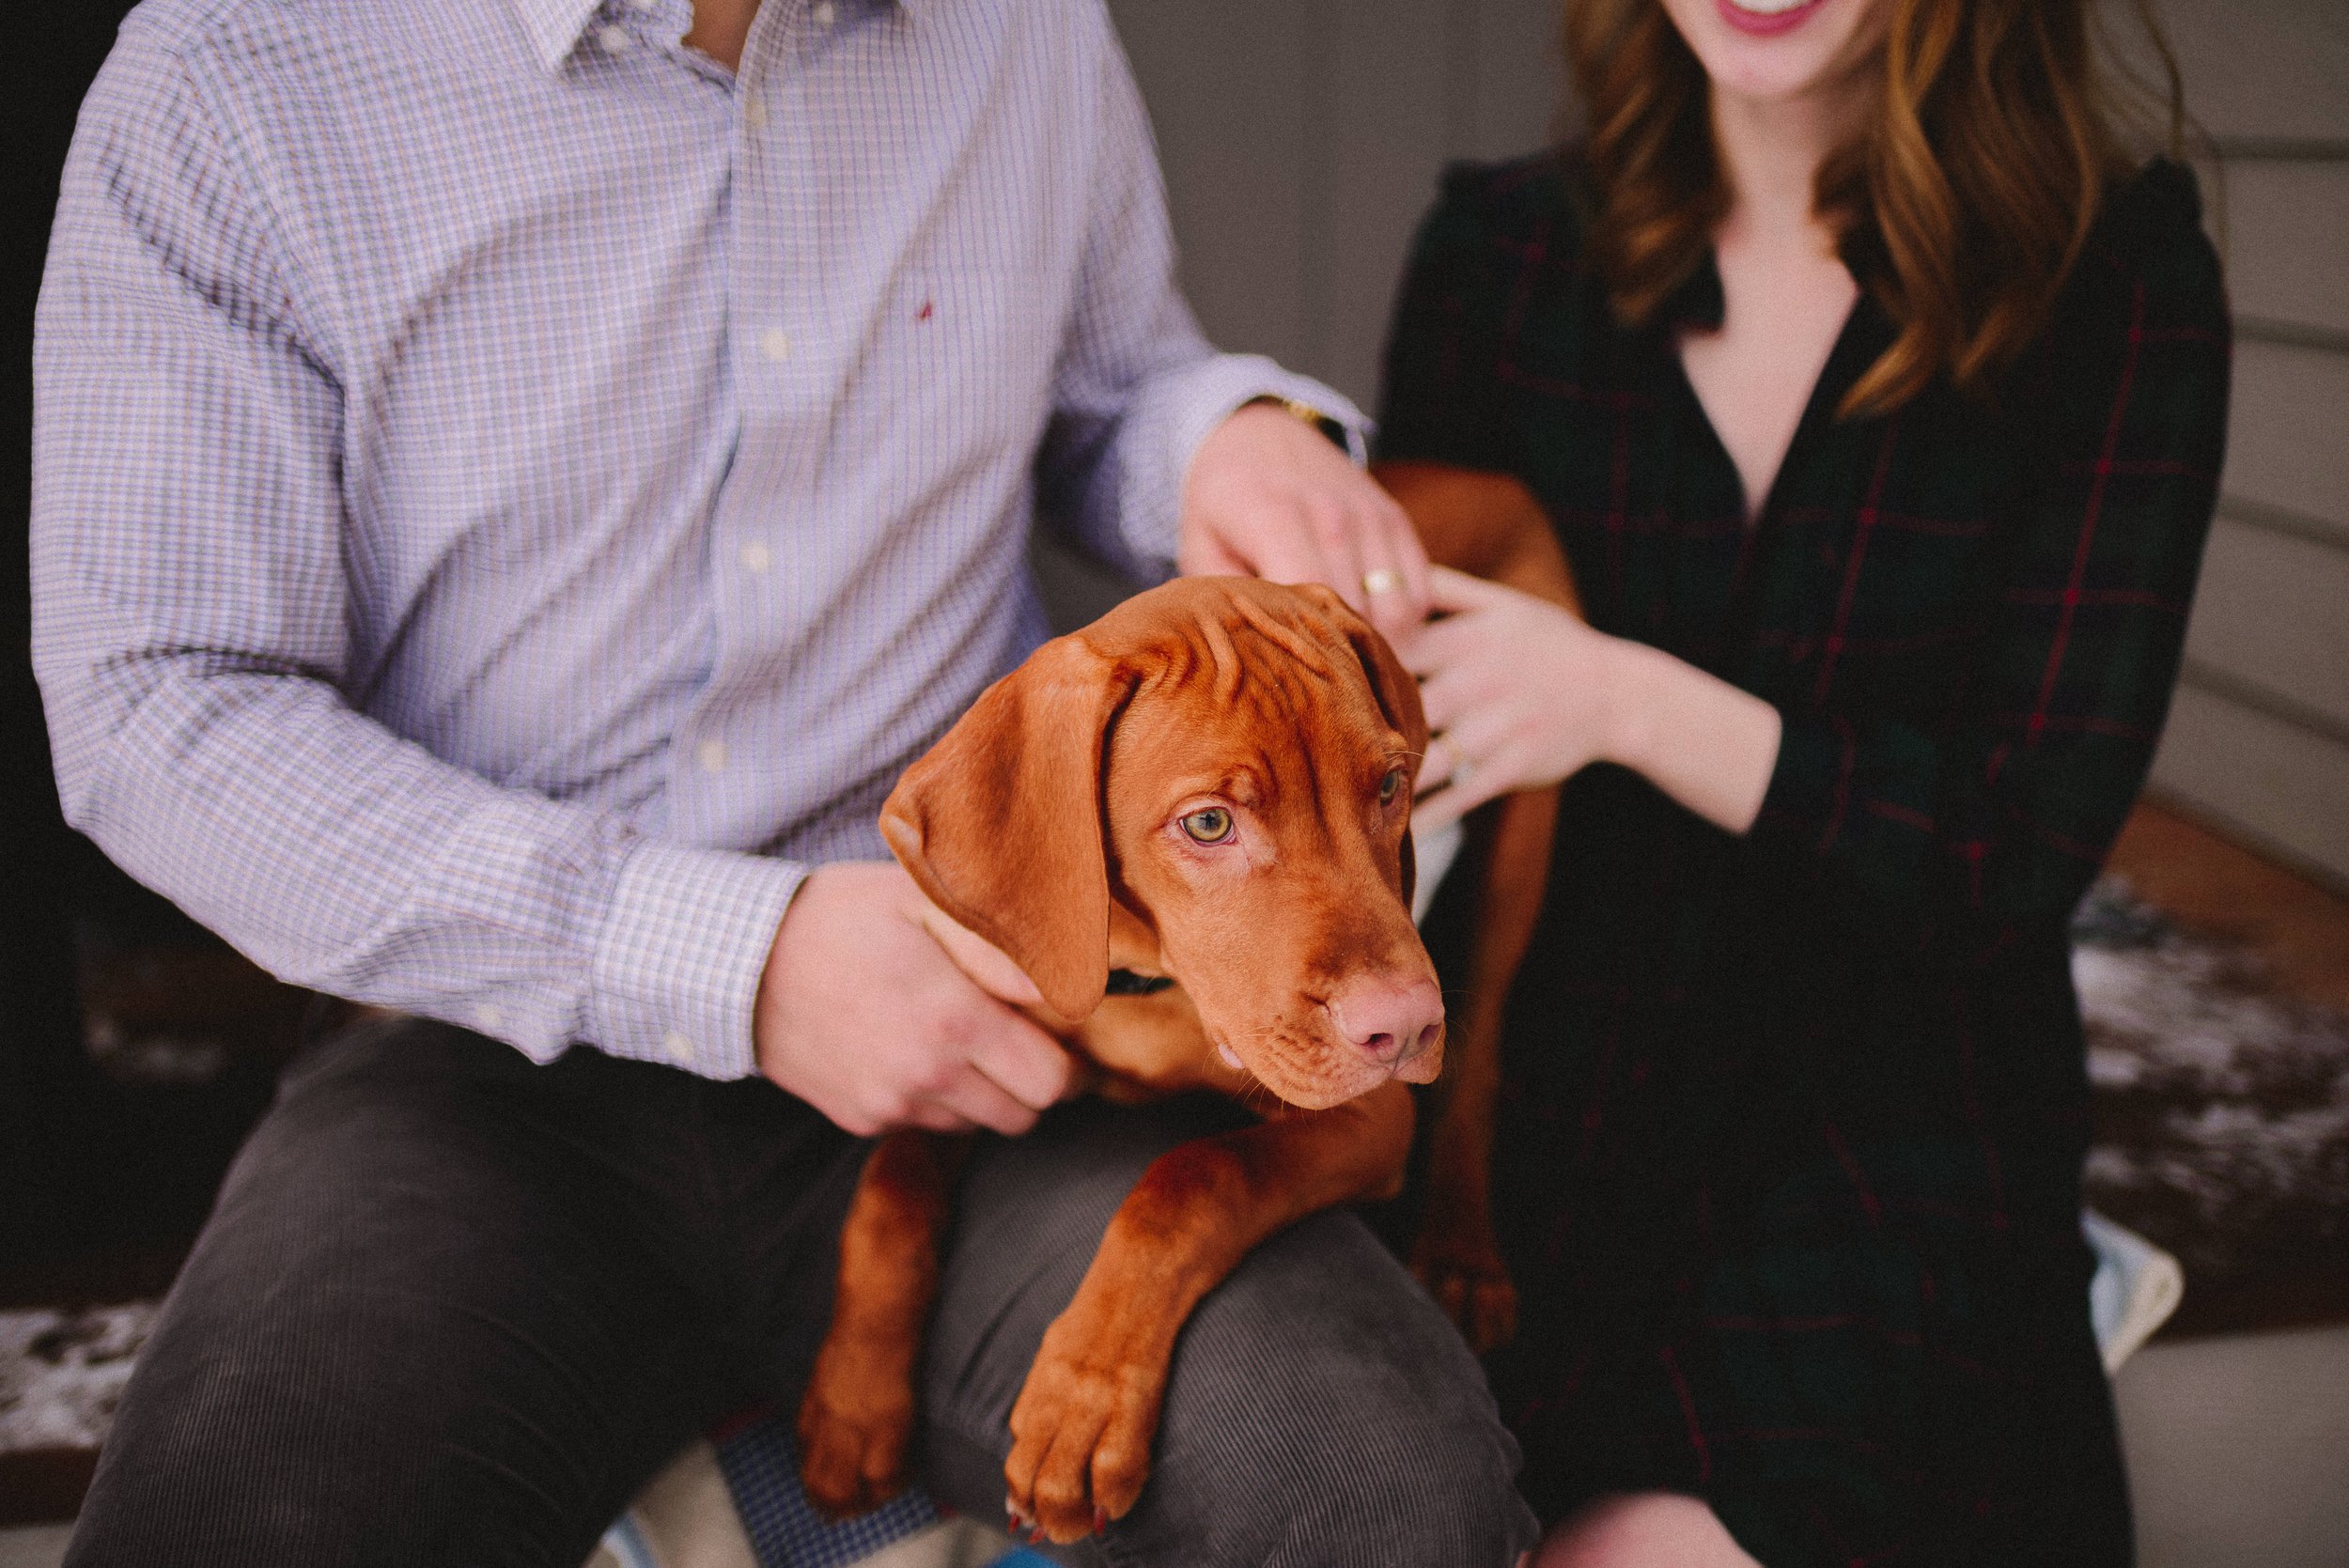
(1247, 649)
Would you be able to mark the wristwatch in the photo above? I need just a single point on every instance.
(1327, 425)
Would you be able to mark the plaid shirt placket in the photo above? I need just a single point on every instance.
(2004, 816)
(197, 579)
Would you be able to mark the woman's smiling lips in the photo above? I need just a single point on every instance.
(1768, 17)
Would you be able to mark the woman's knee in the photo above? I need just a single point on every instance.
(1645, 1529)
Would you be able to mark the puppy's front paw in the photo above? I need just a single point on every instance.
(1466, 1276)
(1081, 1435)
(855, 1422)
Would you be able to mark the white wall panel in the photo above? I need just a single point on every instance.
(2265, 68)
(1388, 71)
(2272, 611)
(1508, 103)
(2288, 432)
(2286, 239)
(1303, 139)
(2270, 780)
(1228, 86)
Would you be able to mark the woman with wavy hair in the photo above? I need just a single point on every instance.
(1878, 399)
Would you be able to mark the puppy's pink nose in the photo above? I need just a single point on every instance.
(1392, 1021)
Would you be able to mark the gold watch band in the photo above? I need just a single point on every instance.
(1327, 425)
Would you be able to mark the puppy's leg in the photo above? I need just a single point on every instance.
(1491, 525)
(857, 1417)
(1082, 1424)
(1454, 1254)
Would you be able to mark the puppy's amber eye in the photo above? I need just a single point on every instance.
(1211, 825)
(1390, 786)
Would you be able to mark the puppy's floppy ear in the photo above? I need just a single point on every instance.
(1390, 685)
(1001, 821)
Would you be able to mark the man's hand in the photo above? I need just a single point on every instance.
(1268, 495)
(880, 1012)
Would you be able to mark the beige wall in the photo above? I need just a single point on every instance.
(1302, 141)
(2260, 738)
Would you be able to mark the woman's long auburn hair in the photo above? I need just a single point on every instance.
(1961, 202)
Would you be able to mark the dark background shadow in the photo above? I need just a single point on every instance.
(105, 1178)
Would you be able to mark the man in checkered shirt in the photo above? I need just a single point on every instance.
(516, 480)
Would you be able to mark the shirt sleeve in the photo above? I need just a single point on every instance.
(190, 610)
(1137, 387)
(2001, 816)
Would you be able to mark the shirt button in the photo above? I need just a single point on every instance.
(680, 1050)
(775, 344)
(711, 754)
(823, 12)
(615, 39)
(756, 556)
(754, 112)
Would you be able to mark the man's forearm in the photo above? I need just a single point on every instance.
(341, 858)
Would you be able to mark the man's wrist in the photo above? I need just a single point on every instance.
(683, 952)
(1329, 425)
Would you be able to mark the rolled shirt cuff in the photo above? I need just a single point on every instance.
(683, 947)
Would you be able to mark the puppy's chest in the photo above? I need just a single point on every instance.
(1148, 1042)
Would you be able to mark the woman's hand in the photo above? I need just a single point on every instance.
(1518, 693)
(1522, 695)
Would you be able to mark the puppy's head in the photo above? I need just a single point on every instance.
(1233, 762)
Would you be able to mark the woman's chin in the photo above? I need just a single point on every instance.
(1772, 51)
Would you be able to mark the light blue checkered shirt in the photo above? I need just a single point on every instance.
(509, 494)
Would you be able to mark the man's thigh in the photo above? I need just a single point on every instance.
(451, 1307)
(1321, 1410)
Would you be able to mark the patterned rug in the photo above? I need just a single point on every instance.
(2222, 1117)
(62, 1371)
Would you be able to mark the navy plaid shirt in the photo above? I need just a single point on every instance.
(1786, 1162)
(509, 493)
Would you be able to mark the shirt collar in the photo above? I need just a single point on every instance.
(555, 26)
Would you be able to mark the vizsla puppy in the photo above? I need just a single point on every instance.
(1488, 525)
(1189, 825)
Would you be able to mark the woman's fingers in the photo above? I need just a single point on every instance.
(1448, 805)
(1475, 778)
(1450, 592)
(1488, 752)
(1437, 766)
(1452, 693)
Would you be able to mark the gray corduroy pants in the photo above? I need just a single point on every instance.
(454, 1308)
